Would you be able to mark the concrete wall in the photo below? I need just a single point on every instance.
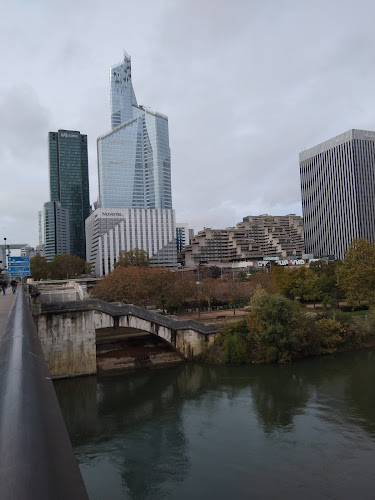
(69, 343)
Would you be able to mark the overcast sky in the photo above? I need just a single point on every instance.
(246, 86)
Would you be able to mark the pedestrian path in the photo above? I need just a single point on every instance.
(6, 302)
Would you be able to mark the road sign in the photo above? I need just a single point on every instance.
(16, 260)
(19, 269)
(18, 274)
(18, 266)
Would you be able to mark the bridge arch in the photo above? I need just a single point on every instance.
(67, 332)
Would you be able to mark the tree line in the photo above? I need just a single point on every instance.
(61, 267)
(134, 281)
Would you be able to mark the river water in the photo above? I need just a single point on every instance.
(305, 430)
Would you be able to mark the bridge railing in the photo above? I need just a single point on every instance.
(36, 456)
(119, 309)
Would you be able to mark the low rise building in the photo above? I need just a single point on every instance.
(254, 238)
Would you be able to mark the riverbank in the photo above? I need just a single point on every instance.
(278, 330)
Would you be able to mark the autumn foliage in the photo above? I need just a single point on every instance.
(168, 290)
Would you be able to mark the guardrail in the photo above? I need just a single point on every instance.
(36, 456)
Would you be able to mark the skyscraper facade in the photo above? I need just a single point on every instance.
(134, 165)
(69, 182)
(56, 230)
(338, 193)
(134, 171)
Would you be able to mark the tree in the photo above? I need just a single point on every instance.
(357, 275)
(128, 285)
(143, 286)
(134, 257)
(284, 279)
(328, 290)
(38, 267)
(164, 288)
(278, 327)
(233, 291)
(67, 266)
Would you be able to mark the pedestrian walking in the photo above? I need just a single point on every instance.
(3, 285)
(13, 284)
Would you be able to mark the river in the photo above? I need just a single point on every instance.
(304, 430)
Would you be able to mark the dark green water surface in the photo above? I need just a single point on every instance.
(305, 430)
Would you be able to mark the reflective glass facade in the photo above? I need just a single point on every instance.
(69, 182)
(134, 166)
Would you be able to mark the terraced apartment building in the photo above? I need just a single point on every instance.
(252, 239)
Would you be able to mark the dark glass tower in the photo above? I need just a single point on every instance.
(69, 182)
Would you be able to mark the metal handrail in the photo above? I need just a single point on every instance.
(36, 456)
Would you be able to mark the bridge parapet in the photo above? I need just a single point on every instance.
(117, 309)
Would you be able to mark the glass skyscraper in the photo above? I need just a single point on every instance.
(134, 165)
(69, 182)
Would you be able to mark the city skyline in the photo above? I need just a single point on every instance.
(253, 87)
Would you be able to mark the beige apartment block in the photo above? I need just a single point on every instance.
(252, 239)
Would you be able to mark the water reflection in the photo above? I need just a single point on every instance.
(152, 433)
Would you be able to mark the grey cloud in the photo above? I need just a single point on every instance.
(246, 87)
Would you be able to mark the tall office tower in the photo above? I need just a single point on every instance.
(134, 169)
(338, 193)
(56, 230)
(134, 165)
(69, 182)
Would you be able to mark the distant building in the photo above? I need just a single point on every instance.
(69, 182)
(254, 238)
(56, 230)
(109, 231)
(39, 250)
(28, 251)
(338, 193)
(40, 228)
(182, 235)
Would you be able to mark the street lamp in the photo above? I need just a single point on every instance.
(5, 257)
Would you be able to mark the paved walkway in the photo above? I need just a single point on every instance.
(6, 302)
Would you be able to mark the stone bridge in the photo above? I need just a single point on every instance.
(67, 332)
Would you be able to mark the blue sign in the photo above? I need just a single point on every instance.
(18, 274)
(19, 260)
(19, 269)
(18, 266)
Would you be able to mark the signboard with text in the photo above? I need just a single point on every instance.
(18, 266)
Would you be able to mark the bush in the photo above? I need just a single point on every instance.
(234, 351)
